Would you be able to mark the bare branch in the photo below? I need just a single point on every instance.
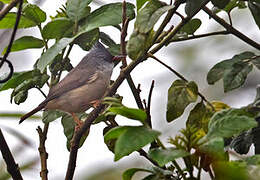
(12, 167)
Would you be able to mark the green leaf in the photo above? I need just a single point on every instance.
(115, 133)
(200, 116)
(129, 173)
(77, 9)
(9, 20)
(26, 42)
(237, 76)
(130, 113)
(220, 3)
(140, 3)
(223, 70)
(256, 61)
(233, 4)
(226, 170)
(180, 95)
(57, 28)
(106, 39)
(227, 123)
(191, 26)
(34, 13)
(255, 10)
(213, 147)
(52, 52)
(130, 139)
(149, 15)
(113, 14)
(51, 115)
(163, 156)
(94, 20)
(69, 126)
(17, 78)
(253, 160)
(20, 97)
(192, 6)
(88, 39)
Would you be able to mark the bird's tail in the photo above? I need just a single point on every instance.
(31, 113)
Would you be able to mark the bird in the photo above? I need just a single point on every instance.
(82, 87)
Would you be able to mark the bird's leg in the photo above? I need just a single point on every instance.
(95, 103)
(118, 58)
(78, 122)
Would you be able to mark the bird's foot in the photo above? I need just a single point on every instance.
(95, 103)
(77, 121)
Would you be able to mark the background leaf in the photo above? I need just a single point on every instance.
(26, 42)
(57, 28)
(163, 156)
(220, 3)
(255, 10)
(180, 95)
(9, 20)
(34, 13)
(192, 6)
(77, 9)
(191, 26)
(129, 173)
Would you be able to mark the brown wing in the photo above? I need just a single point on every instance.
(80, 75)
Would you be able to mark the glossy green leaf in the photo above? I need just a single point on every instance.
(255, 10)
(191, 26)
(94, 20)
(140, 3)
(180, 95)
(225, 170)
(193, 6)
(149, 15)
(220, 3)
(129, 173)
(51, 115)
(17, 78)
(9, 20)
(200, 116)
(57, 28)
(130, 139)
(69, 127)
(106, 39)
(20, 97)
(163, 156)
(237, 76)
(113, 14)
(256, 61)
(88, 39)
(34, 13)
(26, 42)
(223, 70)
(130, 113)
(227, 123)
(77, 9)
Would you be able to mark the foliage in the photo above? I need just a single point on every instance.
(212, 127)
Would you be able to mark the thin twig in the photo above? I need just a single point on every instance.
(167, 39)
(11, 165)
(231, 29)
(148, 109)
(8, 8)
(135, 91)
(42, 151)
(180, 76)
(201, 36)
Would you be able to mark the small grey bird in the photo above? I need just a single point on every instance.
(82, 86)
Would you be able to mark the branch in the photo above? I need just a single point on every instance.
(180, 76)
(94, 114)
(42, 151)
(201, 36)
(6, 10)
(168, 38)
(148, 109)
(12, 167)
(232, 30)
